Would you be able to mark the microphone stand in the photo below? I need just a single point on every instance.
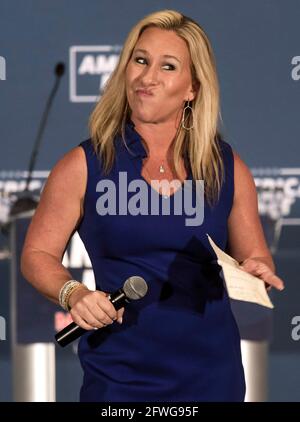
(38, 384)
(26, 202)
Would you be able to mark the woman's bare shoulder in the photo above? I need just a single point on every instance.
(70, 173)
(243, 179)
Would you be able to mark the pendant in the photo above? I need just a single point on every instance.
(161, 169)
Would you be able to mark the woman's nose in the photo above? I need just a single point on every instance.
(149, 75)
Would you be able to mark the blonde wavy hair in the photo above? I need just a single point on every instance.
(109, 117)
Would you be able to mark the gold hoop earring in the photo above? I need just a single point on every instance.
(184, 117)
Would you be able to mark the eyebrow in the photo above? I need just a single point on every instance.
(166, 56)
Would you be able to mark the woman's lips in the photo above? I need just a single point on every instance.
(143, 93)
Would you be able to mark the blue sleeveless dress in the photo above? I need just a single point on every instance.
(180, 342)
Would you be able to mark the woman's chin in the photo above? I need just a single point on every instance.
(144, 118)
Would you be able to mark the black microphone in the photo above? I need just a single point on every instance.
(134, 288)
(60, 69)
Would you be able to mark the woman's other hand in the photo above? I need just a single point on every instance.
(260, 269)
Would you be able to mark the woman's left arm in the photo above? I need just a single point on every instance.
(246, 241)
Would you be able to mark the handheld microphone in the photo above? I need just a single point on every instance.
(134, 288)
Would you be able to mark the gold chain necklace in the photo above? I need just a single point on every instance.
(162, 170)
(161, 166)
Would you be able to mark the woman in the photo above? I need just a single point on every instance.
(157, 119)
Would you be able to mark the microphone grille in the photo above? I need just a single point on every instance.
(60, 69)
(135, 287)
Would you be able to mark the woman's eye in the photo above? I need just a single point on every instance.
(168, 66)
(140, 60)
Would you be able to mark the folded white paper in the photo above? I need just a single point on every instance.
(240, 284)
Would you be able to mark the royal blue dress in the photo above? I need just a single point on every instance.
(180, 342)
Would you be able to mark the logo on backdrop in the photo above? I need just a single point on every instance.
(278, 190)
(90, 67)
(2, 69)
(296, 69)
(12, 183)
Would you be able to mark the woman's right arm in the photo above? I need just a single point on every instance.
(57, 216)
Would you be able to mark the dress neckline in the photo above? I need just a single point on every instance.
(134, 146)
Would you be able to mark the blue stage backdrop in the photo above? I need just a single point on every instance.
(257, 51)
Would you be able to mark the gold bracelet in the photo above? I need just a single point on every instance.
(70, 292)
(65, 292)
